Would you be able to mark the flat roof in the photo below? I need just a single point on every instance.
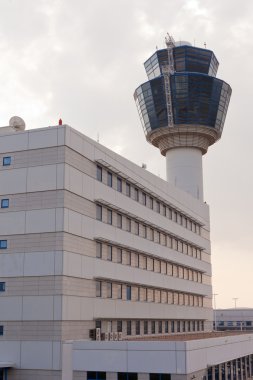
(189, 336)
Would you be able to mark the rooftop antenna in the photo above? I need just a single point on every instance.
(205, 44)
(235, 300)
(98, 137)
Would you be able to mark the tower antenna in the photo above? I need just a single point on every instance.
(167, 71)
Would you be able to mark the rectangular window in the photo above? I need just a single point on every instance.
(109, 179)
(4, 203)
(159, 376)
(128, 293)
(98, 324)
(136, 194)
(109, 290)
(1, 330)
(128, 189)
(137, 327)
(152, 327)
(145, 294)
(119, 291)
(144, 260)
(178, 326)
(183, 326)
(128, 258)
(99, 250)
(98, 288)
(119, 184)
(145, 232)
(6, 161)
(127, 376)
(129, 328)
(99, 173)
(119, 255)
(145, 327)
(119, 220)
(151, 234)
(151, 203)
(158, 207)
(160, 327)
(3, 244)
(128, 224)
(119, 326)
(109, 253)
(164, 210)
(96, 375)
(144, 199)
(137, 228)
(189, 325)
(166, 327)
(172, 326)
(109, 217)
(2, 286)
(138, 294)
(99, 212)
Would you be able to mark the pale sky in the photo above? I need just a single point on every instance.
(82, 60)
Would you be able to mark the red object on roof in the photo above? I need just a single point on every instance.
(60, 121)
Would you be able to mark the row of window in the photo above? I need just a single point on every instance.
(6, 161)
(138, 195)
(142, 261)
(127, 376)
(128, 292)
(239, 368)
(145, 327)
(121, 221)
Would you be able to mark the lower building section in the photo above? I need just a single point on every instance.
(28, 374)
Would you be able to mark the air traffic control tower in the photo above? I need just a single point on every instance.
(183, 108)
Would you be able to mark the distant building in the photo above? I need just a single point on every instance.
(234, 319)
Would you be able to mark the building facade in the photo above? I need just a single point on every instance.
(234, 319)
(90, 240)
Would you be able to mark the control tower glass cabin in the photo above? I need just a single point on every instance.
(182, 108)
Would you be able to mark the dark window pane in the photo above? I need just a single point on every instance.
(99, 173)
(128, 189)
(4, 203)
(109, 179)
(128, 292)
(129, 328)
(119, 184)
(3, 244)
(6, 161)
